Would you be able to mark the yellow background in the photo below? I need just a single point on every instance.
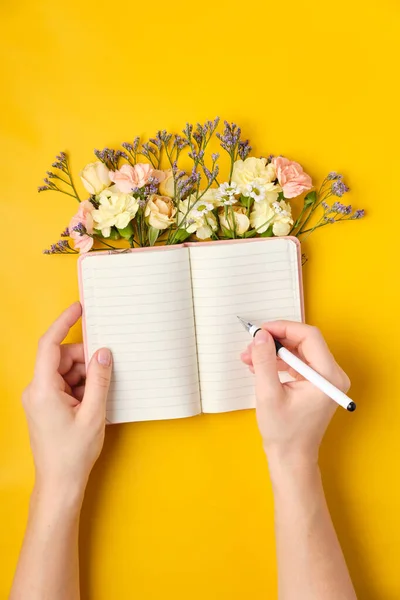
(183, 509)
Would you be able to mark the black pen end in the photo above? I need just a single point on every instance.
(351, 407)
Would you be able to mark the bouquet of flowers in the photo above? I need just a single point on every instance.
(142, 195)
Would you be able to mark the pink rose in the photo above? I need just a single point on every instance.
(128, 178)
(84, 215)
(291, 177)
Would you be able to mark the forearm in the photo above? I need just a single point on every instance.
(311, 565)
(48, 566)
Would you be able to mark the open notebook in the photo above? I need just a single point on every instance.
(168, 314)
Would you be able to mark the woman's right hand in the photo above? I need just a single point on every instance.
(292, 416)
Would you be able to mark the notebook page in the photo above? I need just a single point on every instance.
(139, 304)
(256, 280)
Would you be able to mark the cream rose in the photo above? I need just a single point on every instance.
(115, 209)
(160, 212)
(167, 186)
(95, 177)
(239, 222)
(261, 216)
(251, 169)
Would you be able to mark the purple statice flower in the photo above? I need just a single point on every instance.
(142, 202)
(157, 141)
(215, 157)
(339, 188)
(338, 208)
(127, 146)
(43, 188)
(208, 173)
(65, 233)
(244, 149)
(333, 175)
(359, 214)
(329, 220)
(325, 206)
(51, 175)
(80, 228)
(230, 137)
(109, 157)
(61, 247)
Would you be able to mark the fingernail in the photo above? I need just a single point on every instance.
(261, 337)
(104, 357)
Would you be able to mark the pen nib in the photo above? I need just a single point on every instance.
(245, 324)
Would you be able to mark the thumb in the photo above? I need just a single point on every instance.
(263, 355)
(98, 382)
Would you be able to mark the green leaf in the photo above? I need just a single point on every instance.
(126, 232)
(246, 201)
(280, 196)
(310, 199)
(250, 233)
(267, 233)
(228, 233)
(181, 235)
(97, 232)
(153, 234)
(114, 234)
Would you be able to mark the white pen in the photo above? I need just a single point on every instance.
(307, 372)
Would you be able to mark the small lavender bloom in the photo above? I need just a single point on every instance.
(46, 251)
(348, 209)
(127, 146)
(208, 174)
(50, 175)
(43, 188)
(359, 214)
(339, 208)
(325, 205)
(333, 175)
(80, 228)
(339, 188)
(215, 156)
(244, 149)
(65, 233)
(142, 202)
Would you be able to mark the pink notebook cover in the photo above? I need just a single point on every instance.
(185, 245)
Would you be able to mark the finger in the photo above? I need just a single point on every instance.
(263, 354)
(75, 375)
(48, 357)
(97, 383)
(308, 341)
(70, 354)
(78, 392)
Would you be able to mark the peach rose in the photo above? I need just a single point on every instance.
(291, 177)
(84, 242)
(160, 212)
(127, 178)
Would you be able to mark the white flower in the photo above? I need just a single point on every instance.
(115, 209)
(201, 208)
(260, 191)
(194, 219)
(246, 171)
(95, 177)
(283, 221)
(238, 222)
(226, 193)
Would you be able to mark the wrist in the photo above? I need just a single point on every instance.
(57, 497)
(291, 467)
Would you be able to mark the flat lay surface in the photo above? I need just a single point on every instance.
(183, 508)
